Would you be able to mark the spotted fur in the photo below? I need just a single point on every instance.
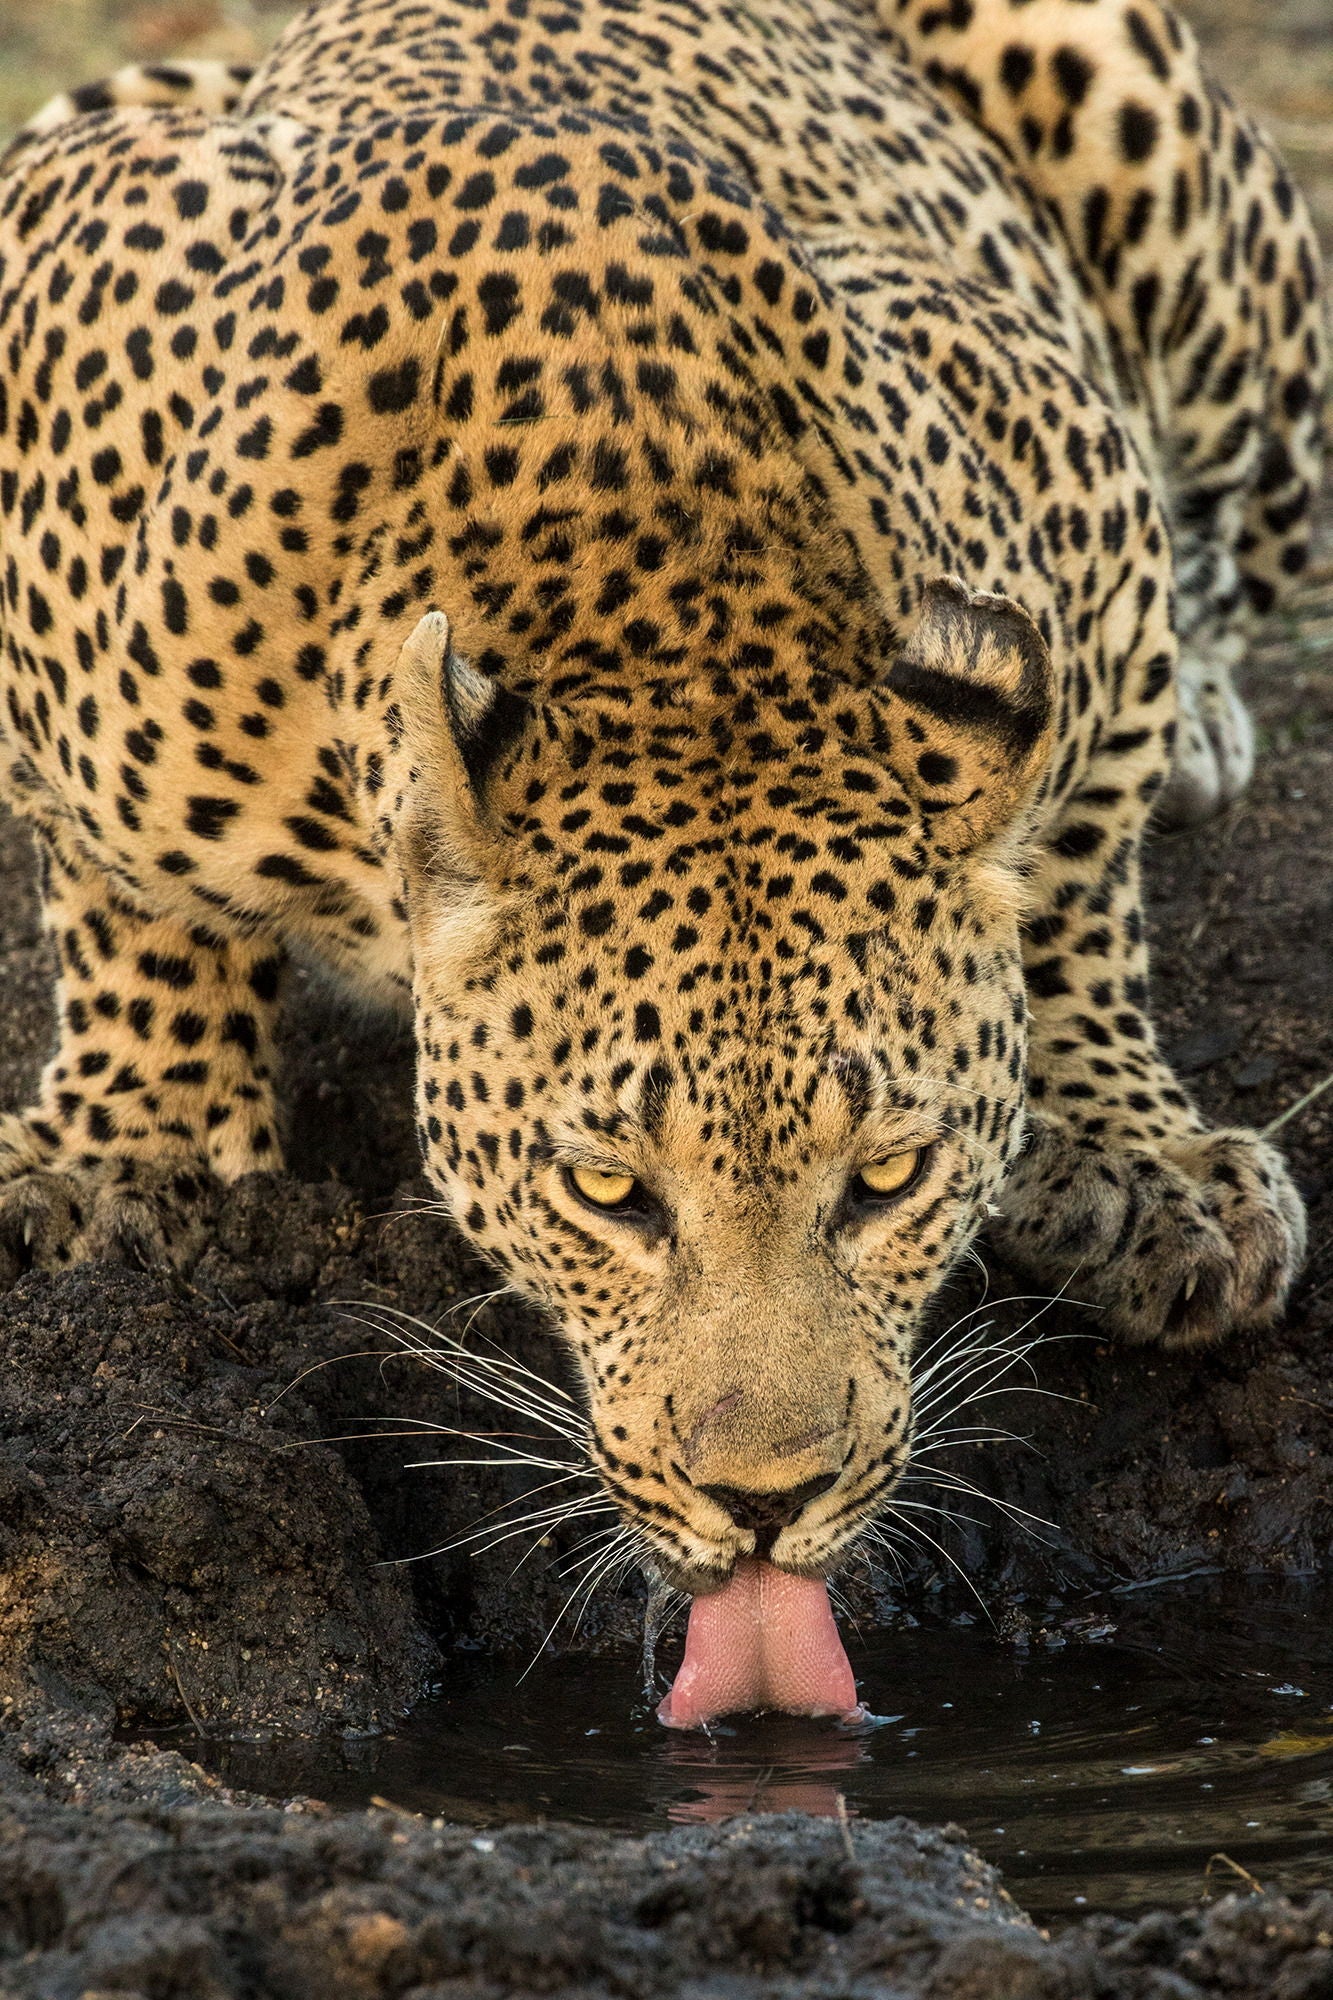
(648, 534)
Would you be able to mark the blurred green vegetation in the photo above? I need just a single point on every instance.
(46, 45)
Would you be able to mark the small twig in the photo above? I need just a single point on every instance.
(1255, 1885)
(195, 1723)
(845, 1828)
(1316, 1090)
(1153, 1582)
(116, 1437)
(761, 1778)
(218, 1334)
(169, 1421)
(387, 1805)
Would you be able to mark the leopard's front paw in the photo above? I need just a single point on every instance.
(1180, 1244)
(153, 1213)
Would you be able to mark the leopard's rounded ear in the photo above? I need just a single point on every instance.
(975, 706)
(450, 725)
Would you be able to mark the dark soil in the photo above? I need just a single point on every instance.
(205, 1904)
(176, 1544)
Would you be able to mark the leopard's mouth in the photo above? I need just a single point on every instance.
(701, 1561)
(693, 1539)
(706, 1575)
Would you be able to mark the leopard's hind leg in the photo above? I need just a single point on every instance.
(1192, 242)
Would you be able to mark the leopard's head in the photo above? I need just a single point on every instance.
(721, 1038)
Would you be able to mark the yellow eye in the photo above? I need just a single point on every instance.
(603, 1190)
(891, 1176)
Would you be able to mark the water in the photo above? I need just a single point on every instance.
(1102, 1774)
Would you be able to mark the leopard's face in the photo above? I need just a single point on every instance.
(729, 1108)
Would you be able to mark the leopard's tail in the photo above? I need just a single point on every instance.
(214, 88)
(1188, 233)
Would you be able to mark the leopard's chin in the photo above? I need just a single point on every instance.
(691, 1578)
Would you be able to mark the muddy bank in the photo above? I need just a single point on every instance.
(203, 1903)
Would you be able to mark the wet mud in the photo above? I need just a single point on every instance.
(205, 1517)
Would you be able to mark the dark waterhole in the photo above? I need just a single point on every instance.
(1101, 1773)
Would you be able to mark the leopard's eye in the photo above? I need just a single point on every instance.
(880, 1179)
(603, 1190)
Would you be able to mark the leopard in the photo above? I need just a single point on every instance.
(679, 544)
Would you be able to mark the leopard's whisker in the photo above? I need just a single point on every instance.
(914, 1528)
(499, 1524)
(329, 1361)
(599, 1535)
(539, 1520)
(988, 1364)
(862, 1551)
(582, 1591)
(518, 1368)
(971, 1255)
(491, 1379)
(932, 1440)
(1042, 1300)
(993, 1385)
(1006, 1345)
(432, 1339)
(425, 1429)
(516, 1458)
(945, 1483)
(945, 1514)
(1008, 1342)
(957, 1359)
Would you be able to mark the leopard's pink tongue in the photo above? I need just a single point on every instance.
(765, 1640)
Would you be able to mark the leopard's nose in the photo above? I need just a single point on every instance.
(767, 1514)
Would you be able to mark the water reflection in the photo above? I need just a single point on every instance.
(812, 1778)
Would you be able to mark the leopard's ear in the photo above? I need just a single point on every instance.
(450, 726)
(975, 708)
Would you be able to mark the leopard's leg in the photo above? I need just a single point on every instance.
(1122, 1196)
(1196, 249)
(161, 1087)
(214, 88)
